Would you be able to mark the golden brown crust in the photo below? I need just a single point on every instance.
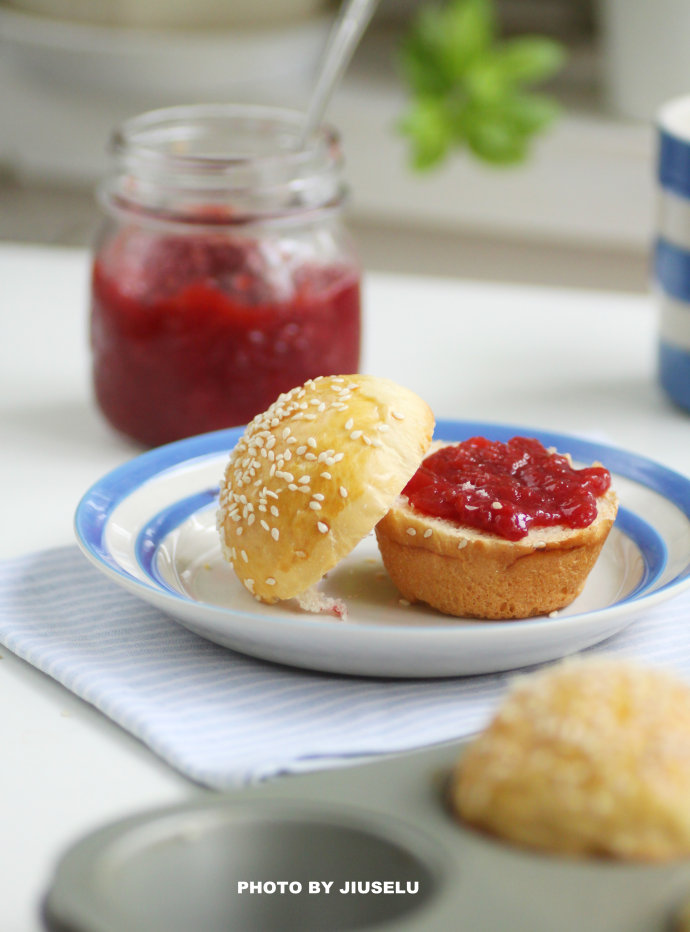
(312, 475)
(471, 574)
(589, 757)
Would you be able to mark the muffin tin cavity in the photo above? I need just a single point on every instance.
(252, 867)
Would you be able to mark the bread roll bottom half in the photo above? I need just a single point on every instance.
(474, 574)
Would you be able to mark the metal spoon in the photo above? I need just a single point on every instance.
(353, 19)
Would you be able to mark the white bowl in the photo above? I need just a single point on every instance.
(160, 67)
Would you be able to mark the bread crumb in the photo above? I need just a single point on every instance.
(316, 602)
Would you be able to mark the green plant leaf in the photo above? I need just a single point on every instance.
(530, 113)
(419, 57)
(486, 81)
(427, 125)
(529, 59)
(495, 141)
(466, 30)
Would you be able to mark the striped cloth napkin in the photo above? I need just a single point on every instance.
(224, 719)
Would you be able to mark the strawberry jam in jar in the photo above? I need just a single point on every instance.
(223, 274)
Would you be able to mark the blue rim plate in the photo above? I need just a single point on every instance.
(150, 526)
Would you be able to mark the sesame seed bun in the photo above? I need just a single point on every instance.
(589, 758)
(475, 574)
(312, 476)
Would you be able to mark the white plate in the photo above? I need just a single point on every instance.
(150, 526)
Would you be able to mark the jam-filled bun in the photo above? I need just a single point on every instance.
(311, 477)
(470, 573)
(588, 758)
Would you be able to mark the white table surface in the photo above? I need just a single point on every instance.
(543, 358)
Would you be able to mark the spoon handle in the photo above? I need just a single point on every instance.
(353, 19)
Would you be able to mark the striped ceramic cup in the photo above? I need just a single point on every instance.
(672, 249)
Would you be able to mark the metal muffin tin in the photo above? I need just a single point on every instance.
(177, 869)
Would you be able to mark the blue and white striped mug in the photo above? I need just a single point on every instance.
(672, 249)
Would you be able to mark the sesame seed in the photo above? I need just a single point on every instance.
(349, 424)
(274, 511)
(398, 415)
(301, 450)
(292, 487)
(270, 581)
(343, 491)
(411, 531)
(383, 427)
(249, 583)
(311, 442)
(275, 533)
(326, 475)
(250, 520)
(323, 528)
(243, 554)
(356, 434)
(300, 553)
(303, 480)
(264, 525)
(428, 532)
(318, 496)
(239, 529)
(337, 458)
(310, 457)
(315, 506)
(496, 506)
(462, 544)
(471, 507)
(286, 433)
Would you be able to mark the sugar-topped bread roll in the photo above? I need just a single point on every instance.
(588, 757)
(312, 476)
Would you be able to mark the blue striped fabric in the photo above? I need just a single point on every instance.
(223, 719)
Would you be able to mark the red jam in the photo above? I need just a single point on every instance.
(506, 488)
(197, 333)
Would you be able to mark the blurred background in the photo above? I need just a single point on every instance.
(579, 212)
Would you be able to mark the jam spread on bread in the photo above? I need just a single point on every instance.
(506, 488)
(199, 332)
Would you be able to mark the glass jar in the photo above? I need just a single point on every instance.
(222, 275)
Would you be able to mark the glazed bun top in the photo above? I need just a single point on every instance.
(589, 757)
(312, 476)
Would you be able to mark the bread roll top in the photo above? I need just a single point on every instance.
(312, 476)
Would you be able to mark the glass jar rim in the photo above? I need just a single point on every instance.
(246, 157)
(176, 136)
